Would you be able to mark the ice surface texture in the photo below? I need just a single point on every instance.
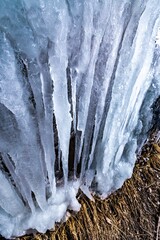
(78, 80)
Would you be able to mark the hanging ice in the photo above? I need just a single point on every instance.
(78, 83)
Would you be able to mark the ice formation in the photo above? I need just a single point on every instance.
(78, 85)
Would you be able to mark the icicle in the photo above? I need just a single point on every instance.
(79, 90)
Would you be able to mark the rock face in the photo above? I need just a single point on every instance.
(79, 83)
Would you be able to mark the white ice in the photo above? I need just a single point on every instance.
(78, 85)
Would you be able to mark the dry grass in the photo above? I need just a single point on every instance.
(131, 213)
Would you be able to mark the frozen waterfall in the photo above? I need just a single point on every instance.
(79, 86)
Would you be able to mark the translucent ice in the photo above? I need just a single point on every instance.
(79, 92)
